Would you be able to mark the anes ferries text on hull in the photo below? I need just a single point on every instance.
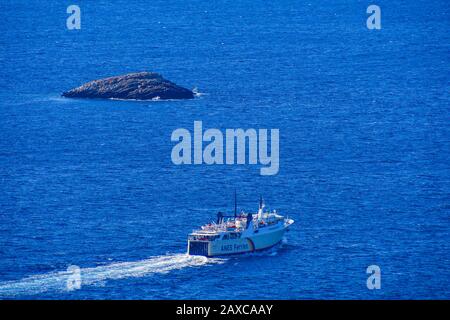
(239, 233)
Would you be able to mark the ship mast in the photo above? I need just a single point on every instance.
(261, 207)
(235, 204)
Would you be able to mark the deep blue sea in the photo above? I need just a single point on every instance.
(364, 148)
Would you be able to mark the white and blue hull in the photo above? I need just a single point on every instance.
(251, 241)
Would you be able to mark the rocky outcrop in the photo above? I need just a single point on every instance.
(138, 86)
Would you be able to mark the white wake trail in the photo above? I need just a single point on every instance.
(58, 281)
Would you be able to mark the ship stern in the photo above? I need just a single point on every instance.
(198, 248)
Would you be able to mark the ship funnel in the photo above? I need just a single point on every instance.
(219, 217)
(249, 220)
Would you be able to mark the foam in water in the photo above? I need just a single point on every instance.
(197, 93)
(58, 281)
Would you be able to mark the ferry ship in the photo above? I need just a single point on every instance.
(239, 233)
